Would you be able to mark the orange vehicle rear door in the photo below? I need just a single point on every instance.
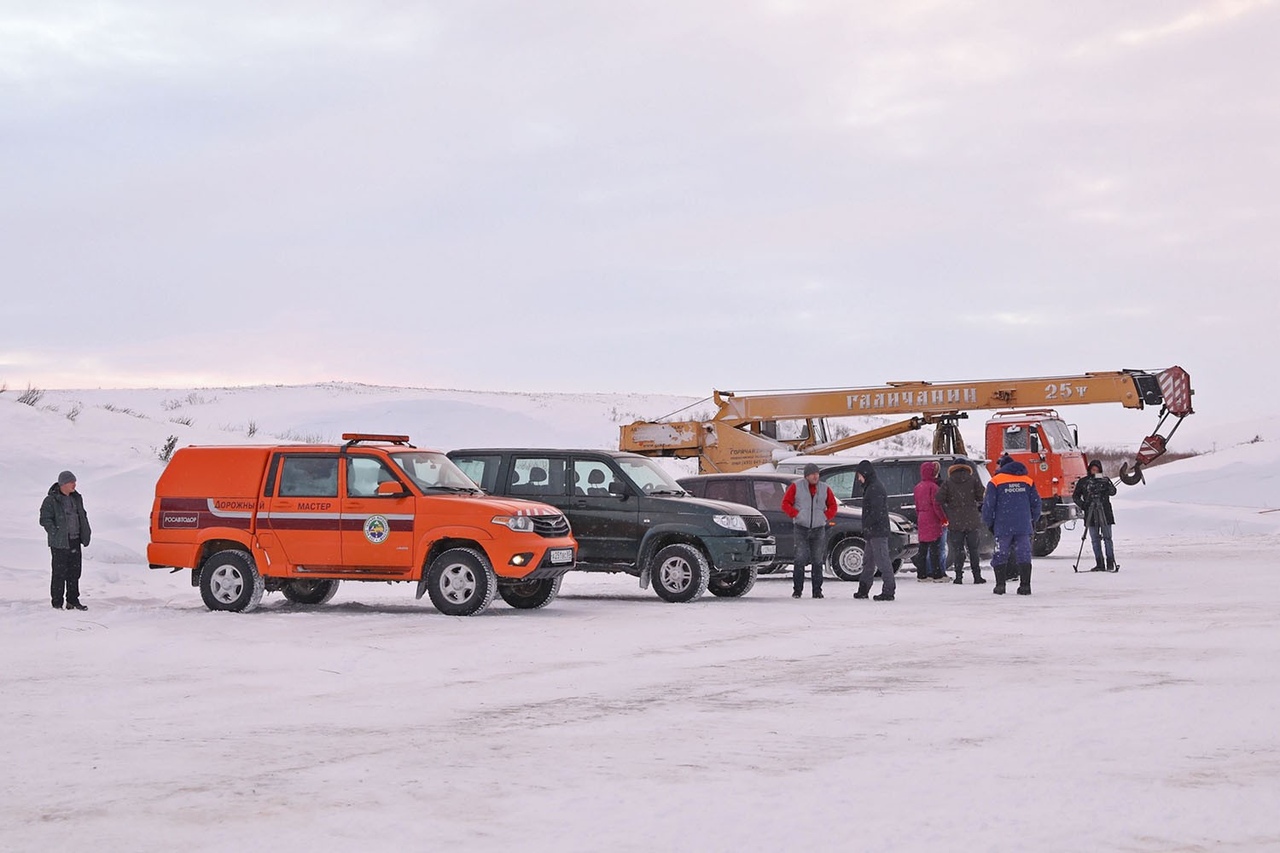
(303, 510)
(377, 529)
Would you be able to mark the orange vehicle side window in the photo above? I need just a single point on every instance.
(309, 477)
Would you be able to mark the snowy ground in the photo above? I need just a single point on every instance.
(1133, 711)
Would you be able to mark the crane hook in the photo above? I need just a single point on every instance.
(1131, 477)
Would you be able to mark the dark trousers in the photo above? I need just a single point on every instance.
(876, 559)
(811, 548)
(962, 541)
(66, 574)
(930, 560)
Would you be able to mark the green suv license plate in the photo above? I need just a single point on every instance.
(560, 556)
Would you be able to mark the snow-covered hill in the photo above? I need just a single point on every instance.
(1126, 711)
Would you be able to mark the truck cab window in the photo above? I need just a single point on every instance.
(1015, 439)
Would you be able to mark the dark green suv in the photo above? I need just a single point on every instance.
(629, 515)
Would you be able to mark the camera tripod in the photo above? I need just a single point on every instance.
(1093, 517)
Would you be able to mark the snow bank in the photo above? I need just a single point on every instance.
(1235, 490)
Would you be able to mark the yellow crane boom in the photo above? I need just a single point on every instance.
(743, 431)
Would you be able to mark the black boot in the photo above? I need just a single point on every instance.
(1111, 565)
(959, 575)
(998, 589)
(1024, 579)
(864, 589)
(1098, 567)
(884, 596)
(977, 575)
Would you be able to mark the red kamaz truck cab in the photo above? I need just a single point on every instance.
(1041, 440)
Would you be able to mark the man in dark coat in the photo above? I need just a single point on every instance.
(1011, 507)
(961, 499)
(875, 529)
(811, 506)
(1093, 495)
(63, 517)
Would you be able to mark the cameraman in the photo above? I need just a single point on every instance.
(1093, 495)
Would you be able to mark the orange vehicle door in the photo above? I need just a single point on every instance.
(377, 529)
(303, 510)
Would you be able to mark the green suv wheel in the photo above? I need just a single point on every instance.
(732, 584)
(529, 595)
(679, 573)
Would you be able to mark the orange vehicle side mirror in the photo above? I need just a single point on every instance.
(391, 488)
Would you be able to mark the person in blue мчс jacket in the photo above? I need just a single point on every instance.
(1010, 508)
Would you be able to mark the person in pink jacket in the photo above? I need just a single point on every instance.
(931, 520)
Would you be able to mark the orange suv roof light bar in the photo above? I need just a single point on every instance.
(356, 437)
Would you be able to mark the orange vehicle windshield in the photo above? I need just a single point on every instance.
(431, 471)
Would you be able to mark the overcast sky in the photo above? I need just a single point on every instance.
(639, 196)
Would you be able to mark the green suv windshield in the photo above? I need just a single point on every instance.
(433, 471)
(648, 476)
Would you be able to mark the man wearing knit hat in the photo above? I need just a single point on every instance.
(811, 506)
(63, 517)
(1093, 495)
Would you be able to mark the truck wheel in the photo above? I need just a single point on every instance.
(309, 591)
(680, 573)
(1043, 543)
(732, 584)
(230, 581)
(461, 582)
(530, 595)
(847, 558)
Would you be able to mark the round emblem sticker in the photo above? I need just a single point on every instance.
(376, 529)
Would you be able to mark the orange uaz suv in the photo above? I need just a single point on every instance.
(300, 518)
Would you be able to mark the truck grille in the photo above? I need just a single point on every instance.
(550, 526)
(756, 524)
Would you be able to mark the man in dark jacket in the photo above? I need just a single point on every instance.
(1093, 495)
(811, 506)
(876, 530)
(961, 499)
(63, 517)
(1010, 508)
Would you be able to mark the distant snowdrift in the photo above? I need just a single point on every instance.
(1226, 492)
